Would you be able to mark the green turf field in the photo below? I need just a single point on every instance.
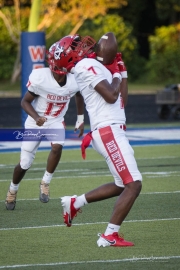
(33, 236)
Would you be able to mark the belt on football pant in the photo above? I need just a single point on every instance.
(122, 126)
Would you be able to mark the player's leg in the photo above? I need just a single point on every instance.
(28, 151)
(72, 204)
(124, 169)
(121, 209)
(52, 162)
(122, 164)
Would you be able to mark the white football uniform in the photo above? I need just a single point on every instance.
(52, 102)
(88, 73)
(107, 122)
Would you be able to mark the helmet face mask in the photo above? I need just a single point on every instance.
(65, 53)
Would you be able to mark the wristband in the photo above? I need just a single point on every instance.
(80, 118)
(117, 75)
(124, 74)
(72, 70)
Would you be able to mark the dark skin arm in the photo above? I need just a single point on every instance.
(80, 110)
(28, 108)
(79, 103)
(110, 92)
(124, 90)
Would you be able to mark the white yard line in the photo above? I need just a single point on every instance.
(85, 161)
(143, 193)
(90, 173)
(133, 259)
(60, 177)
(92, 223)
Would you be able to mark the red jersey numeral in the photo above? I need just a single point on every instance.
(92, 69)
(50, 107)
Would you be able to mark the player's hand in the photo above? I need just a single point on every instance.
(121, 65)
(114, 67)
(92, 55)
(79, 125)
(40, 121)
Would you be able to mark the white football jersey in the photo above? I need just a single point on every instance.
(88, 73)
(52, 100)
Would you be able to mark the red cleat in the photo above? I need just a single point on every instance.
(113, 240)
(69, 211)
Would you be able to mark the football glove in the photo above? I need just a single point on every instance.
(121, 65)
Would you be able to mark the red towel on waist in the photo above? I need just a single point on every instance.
(85, 143)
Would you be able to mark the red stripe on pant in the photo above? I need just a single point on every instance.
(115, 154)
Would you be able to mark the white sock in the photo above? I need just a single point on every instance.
(13, 187)
(111, 228)
(80, 201)
(47, 177)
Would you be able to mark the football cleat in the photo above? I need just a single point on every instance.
(44, 192)
(113, 240)
(69, 211)
(11, 200)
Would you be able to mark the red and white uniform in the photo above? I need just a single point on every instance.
(107, 122)
(88, 73)
(52, 102)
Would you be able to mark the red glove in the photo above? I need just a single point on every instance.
(121, 65)
(114, 67)
(92, 55)
(85, 143)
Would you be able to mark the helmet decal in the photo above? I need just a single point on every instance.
(58, 51)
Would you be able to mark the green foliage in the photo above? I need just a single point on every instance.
(165, 55)
(7, 53)
(127, 43)
(61, 32)
(167, 10)
(112, 23)
(8, 46)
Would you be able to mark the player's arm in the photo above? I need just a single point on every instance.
(80, 113)
(124, 90)
(28, 108)
(110, 92)
(124, 83)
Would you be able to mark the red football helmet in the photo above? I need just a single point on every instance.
(65, 53)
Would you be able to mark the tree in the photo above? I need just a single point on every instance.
(146, 15)
(168, 12)
(165, 54)
(53, 15)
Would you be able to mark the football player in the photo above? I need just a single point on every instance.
(46, 102)
(102, 81)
